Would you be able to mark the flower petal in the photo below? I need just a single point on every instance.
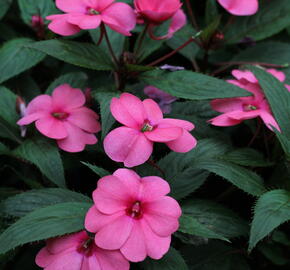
(28, 119)
(177, 22)
(153, 111)
(183, 144)
(71, 6)
(42, 103)
(128, 145)
(269, 120)
(51, 127)
(60, 25)
(156, 246)
(128, 110)
(65, 97)
(134, 248)
(95, 220)
(153, 188)
(227, 104)
(167, 122)
(76, 140)
(162, 216)
(85, 119)
(164, 134)
(240, 7)
(120, 17)
(224, 120)
(115, 234)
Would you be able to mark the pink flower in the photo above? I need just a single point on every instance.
(63, 117)
(79, 252)
(236, 110)
(163, 99)
(133, 214)
(155, 12)
(240, 7)
(89, 14)
(144, 125)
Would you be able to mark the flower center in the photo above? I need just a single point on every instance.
(86, 247)
(60, 115)
(135, 211)
(147, 127)
(250, 107)
(92, 11)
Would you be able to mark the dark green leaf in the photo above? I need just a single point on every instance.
(15, 58)
(271, 210)
(242, 178)
(26, 202)
(5, 4)
(246, 157)
(190, 225)
(273, 52)
(43, 223)
(171, 261)
(97, 170)
(104, 98)
(80, 54)
(216, 217)
(272, 17)
(192, 85)
(45, 156)
(74, 79)
(30, 8)
(180, 37)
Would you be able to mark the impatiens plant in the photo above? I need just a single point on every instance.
(144, 134)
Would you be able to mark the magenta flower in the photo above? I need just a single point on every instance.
(63, 117)
(89, 14)
(163, 99)
(144, 125)
(155, 12)
(240, 7)
(133, 214)
(236, 110)
(79, 252)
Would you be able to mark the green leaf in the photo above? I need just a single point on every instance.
(76, 53)
(74, 79)
(117, 41)
(182, 177)
(104, 98)
(5, 4)
(211, 11)
(271, 210)
(242, 178)
(273, 52)
(15, 58)
(3, 149)
(26, 202)
(190, 225)
(172, 260)
(97, 170)
(43, 223)
(215, 217)
(180, 37)
(208, 32)
(30, 8)
(279, 99)
(246, 157)
(45, 156)
(272, 17)
(215, 256)
(8, 115)
(192, 85)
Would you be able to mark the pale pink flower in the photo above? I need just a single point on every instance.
(144, 125)
(79, 252)
(133, 214)
(89, 14)
(240, 7)
(155, 12)
(63, 117)
(163, 99)
(236, 110)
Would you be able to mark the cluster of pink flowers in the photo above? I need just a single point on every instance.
(236, 110)
(132, 218)
(120, 17)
